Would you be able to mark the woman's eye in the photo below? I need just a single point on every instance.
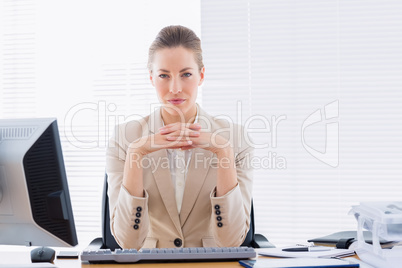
(187, 74)
(163, 76)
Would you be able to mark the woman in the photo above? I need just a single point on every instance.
(178, 177)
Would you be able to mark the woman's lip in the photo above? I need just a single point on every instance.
(176, 101)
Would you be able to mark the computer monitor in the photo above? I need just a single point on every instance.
(35, 206)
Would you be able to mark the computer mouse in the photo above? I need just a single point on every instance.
(42, 254)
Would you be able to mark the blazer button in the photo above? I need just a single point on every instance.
(220, 224)
(139, 209)
(217, 212)
(177, 242)
(219, 218)
(137, 221)
(138, 214)
(135, 226)
(217, 207)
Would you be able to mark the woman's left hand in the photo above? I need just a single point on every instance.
(200, 138)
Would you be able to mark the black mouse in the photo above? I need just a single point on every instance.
(42, 254)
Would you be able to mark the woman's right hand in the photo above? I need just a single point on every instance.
(151, 143)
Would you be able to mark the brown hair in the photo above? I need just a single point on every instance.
(176, 36)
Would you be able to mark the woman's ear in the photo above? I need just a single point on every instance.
(151, 78)
(202, 74)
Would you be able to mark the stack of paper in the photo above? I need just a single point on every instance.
(331, 253)
(298, 262)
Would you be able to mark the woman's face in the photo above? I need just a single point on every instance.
(176, 77)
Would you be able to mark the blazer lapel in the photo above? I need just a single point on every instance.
(161, 173)
(164, 183)
(196, 175)
(197, 170)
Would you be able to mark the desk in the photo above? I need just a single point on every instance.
(23, 256)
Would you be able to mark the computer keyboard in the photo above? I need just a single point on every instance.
(168, 254)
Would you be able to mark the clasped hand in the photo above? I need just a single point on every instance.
(180, 136)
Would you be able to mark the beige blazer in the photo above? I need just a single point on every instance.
(204, 220)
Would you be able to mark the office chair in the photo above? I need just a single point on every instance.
(107, 240)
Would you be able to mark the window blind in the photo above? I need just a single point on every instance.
(18, 57)
(319, 83)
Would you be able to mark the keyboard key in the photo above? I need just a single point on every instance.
(200, 250)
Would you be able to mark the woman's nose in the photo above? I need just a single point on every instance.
(175, 87)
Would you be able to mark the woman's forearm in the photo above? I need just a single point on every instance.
(132, 177)
(226, 174)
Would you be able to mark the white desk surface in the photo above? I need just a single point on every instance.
(21, 255)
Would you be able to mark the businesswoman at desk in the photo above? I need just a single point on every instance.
(178, 177)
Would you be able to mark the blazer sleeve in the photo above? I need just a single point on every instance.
(230, 219)
(129, 222)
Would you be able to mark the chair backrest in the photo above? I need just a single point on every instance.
(109, 241)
